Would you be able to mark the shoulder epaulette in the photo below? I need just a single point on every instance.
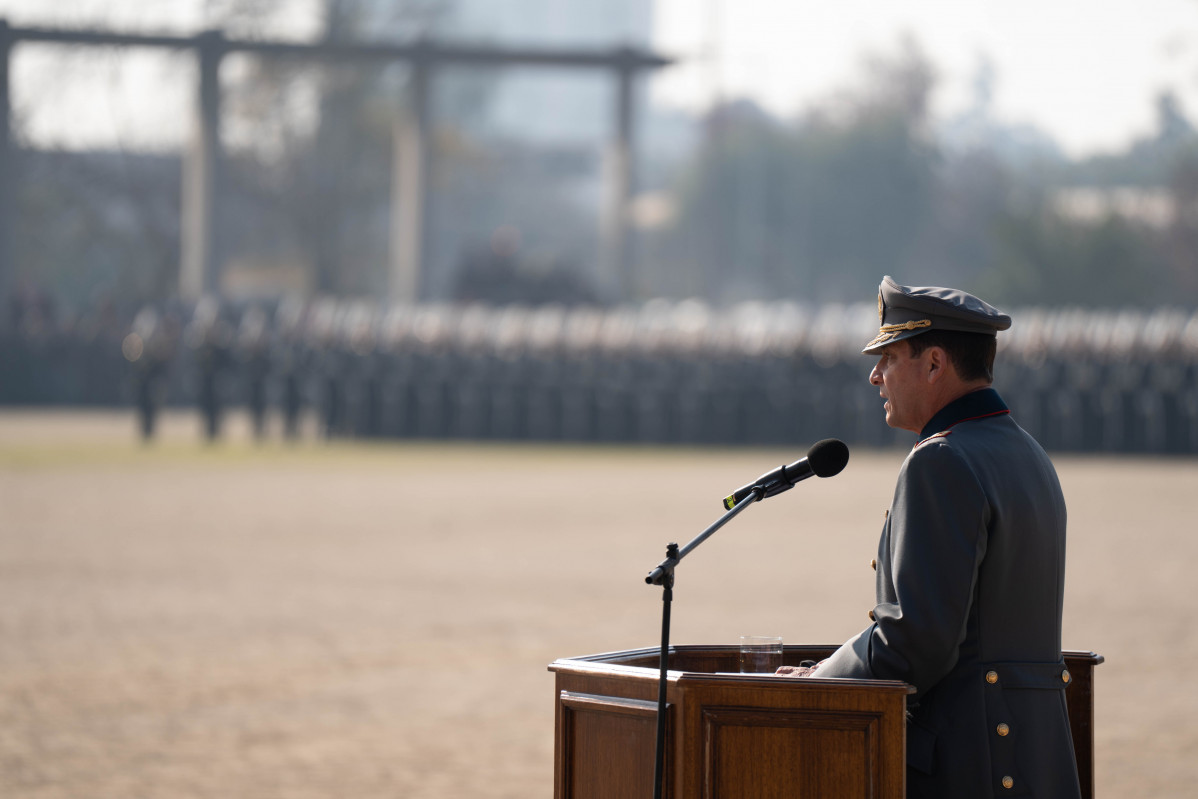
(948, 431)
(941, 434)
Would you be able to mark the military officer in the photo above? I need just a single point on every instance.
(971, 563)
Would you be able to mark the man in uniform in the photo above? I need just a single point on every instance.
(971, 564)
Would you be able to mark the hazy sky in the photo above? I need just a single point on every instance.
(1084, 71)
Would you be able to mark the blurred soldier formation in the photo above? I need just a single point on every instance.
(664, 372)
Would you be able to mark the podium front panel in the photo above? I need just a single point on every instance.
(607, 746)
(787, 754)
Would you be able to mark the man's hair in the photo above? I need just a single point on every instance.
(971, 354)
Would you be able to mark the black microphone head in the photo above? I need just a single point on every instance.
(828, 457)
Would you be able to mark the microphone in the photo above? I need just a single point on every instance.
(825, 459)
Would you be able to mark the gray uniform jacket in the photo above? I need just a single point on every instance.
(970, 581)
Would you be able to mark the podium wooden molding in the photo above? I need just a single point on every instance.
(731, 735)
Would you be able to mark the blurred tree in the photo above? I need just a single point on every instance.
(1181, 237)
(98, 226)
(814, 210)
(819, 209)
(316, 143)
(1117, 256)
(733, 226)
(1148, 161)
(1045, 260)
(957, 243)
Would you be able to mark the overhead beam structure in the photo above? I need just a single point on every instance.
(202, 255)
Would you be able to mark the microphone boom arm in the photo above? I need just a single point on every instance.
(658, 574)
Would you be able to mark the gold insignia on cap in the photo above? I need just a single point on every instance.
(887, 332)
(912, 325)
(879, 307)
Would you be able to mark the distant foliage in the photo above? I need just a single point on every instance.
(819, 208)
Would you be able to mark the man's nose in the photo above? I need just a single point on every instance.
(875, 377)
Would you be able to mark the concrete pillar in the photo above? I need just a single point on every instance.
(411, 165)
(616, 256)
(8, 173)
(199, 272)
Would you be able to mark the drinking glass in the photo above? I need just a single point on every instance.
(760, 654)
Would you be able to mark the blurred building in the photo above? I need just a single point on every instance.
(521, 149)
(553, 107)
(533, 131)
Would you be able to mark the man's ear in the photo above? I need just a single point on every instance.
(936, 363)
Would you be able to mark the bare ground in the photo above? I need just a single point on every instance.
(184, 620)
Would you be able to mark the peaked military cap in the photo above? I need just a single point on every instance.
(906, 311)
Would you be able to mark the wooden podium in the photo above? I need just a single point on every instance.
(738, 736)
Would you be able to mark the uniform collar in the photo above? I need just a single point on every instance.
(974, 405)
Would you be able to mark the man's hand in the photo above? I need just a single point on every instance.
(804, 669)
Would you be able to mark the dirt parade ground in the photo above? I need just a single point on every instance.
(242, 620)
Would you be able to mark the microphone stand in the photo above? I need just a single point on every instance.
(663, 575)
